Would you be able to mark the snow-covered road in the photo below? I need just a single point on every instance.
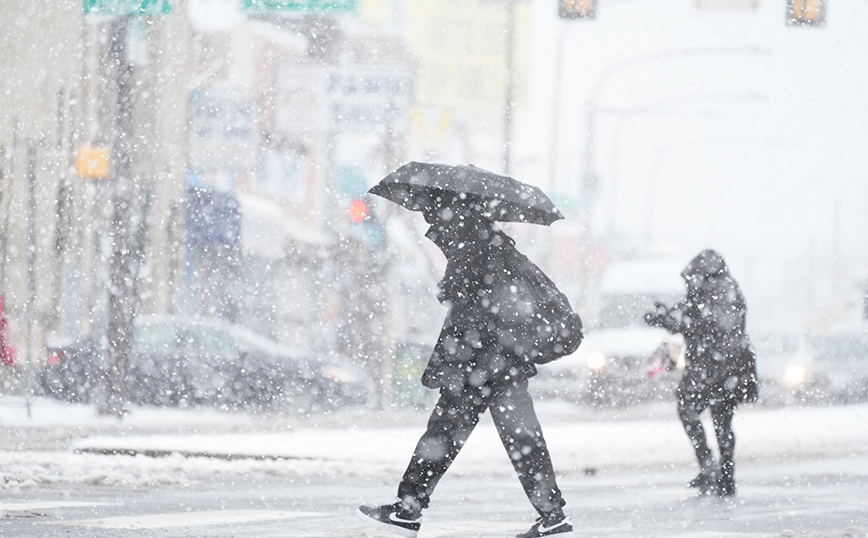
(802, 472)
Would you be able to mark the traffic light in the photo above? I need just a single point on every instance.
(806, 12)
(358, 210)
(577, 9)
(366, 225)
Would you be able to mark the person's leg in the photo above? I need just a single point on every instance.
(456, 414)
(517, 424)
(691, 402)
(721, 415)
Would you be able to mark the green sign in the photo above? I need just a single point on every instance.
(128, 7)
(316, 6)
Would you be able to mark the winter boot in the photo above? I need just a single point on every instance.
(706, 481)
(726, 481)
(549, 525)
(393, 518)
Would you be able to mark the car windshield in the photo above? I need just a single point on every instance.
(627, 310)
(210, 341)
(852, 346)
(251, 342)
(773, 345)
(155, 338)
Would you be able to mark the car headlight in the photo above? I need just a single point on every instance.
(681, 361)
(596, 360)
(795, 375)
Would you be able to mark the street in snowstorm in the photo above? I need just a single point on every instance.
(803, 473)
(818, 499)
(531, 268)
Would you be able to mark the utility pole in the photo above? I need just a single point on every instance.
(121, 288)
(510, 81)
(9, 174)
(31, 270)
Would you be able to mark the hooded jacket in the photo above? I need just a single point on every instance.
(485, 336)
(713, 321)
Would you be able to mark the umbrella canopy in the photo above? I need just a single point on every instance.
(420, 186)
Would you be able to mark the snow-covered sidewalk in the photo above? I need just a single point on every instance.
(780, 434)
(191, 443)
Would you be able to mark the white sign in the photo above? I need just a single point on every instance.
(301, 101)
(224, 131)
(361, 97)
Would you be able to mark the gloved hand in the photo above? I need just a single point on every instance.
(653, 319)
(658, 316)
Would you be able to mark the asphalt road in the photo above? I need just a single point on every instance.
(816, 499)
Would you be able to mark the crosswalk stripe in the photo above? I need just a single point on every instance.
(46, 505)
(472, 528)
(189, 519)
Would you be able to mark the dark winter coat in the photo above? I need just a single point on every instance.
(486, 337)
(719, 356)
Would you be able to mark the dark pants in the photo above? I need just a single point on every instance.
(456, 414)
(693, 399)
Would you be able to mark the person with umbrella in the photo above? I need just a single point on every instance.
(505, 316)
(720, 370)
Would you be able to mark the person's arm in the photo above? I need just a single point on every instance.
(672, 319)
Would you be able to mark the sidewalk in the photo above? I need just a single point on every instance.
(763, 435)
(65, 443)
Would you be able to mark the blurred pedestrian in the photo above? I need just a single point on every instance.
(487, 350)
(720, 370)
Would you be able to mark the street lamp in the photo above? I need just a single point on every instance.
(669, 106)
(590, 178)
(588, 185)
(665, 152)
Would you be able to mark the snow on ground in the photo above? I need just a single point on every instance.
(89, 449)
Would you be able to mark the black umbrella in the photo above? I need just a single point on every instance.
(419, 186)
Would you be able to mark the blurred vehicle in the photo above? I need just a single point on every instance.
(842, 362)
(786, 368)
(408, 364)
(182, 362)
(7, 351)
(622, 360)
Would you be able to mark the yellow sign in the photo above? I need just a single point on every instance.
(92, 162)
(807, 12)
(461, 52)
(420, 119)
(577, 9)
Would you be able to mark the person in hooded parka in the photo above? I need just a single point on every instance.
(480, 362)
(720, 370)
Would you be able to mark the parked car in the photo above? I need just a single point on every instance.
(786, 368)
(842, 362)
(623, 361)
(7, 350)
(831, 367)
(180, 362)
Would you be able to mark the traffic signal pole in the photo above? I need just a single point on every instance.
(121, 285)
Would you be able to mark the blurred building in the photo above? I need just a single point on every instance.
(462, 48)
(252, 133)
(59, 102)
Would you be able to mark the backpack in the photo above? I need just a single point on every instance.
(743, 368)
(555, 328)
